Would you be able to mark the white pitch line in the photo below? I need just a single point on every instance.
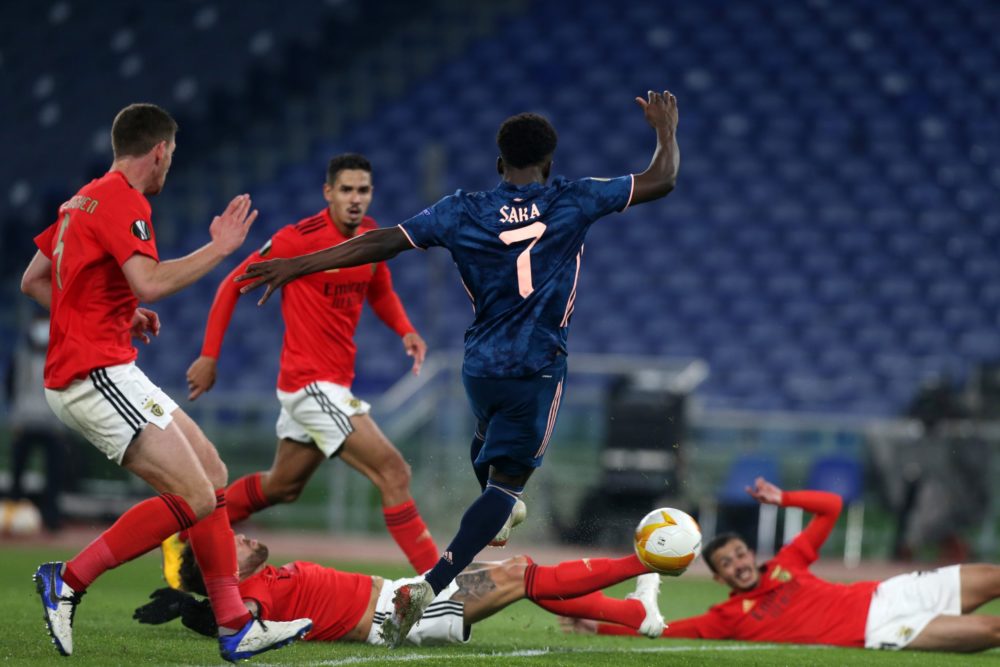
(438, 656)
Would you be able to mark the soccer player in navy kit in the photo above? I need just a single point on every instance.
(518, 249)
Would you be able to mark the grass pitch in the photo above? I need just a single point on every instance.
(521, 635)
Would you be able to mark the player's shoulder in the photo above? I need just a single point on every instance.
(306, 226)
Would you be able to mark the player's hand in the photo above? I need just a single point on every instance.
(201, 376)
(165, 606)
(764, 492)
(229, 230)
(415, 347)
(274, 273)
(660, 110)
(581, 626)
(144, 323)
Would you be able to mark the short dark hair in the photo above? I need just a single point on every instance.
(140, 127)
(338, 163)
(526, 139)
(191, 579)
(716, 543)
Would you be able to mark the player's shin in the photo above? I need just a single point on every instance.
(578, 577)
(479, 525)
(214, 548)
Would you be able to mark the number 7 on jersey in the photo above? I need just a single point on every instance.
(533, 231)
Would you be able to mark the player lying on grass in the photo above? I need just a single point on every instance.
(346, 606)
(782, 601)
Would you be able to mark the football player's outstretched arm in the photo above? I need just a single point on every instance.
(825, 507)
(376, 245)
(661, 175)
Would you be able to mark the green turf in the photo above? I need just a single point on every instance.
(522, 634)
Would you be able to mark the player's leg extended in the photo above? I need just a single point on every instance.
(293, 467)
(963, 634)
(980, 584)
(212, 537)
(368, 451)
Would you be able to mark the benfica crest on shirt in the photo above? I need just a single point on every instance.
(140, 230)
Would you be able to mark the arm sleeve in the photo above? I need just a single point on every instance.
(256, 589)
(599, 196)
(221, 312)
(385, 302)
(228, 293)
(825, 508)
(126, 230)
(46, 240)
(432, 226)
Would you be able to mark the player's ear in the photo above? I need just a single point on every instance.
(547, 168)
(500, 168)
(159, 152)
(328, 192)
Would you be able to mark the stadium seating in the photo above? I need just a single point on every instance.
(834, 232)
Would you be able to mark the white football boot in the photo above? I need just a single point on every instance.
(647, 591)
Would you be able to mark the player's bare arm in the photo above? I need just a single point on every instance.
(201, 376)
(659, 178)
(151, 280)
(377, 245)
(37, 279)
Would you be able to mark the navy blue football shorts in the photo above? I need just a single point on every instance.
(516, 416)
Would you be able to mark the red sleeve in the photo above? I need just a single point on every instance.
(825, 507)
(705, 626)
(228, 293)
(221, 312)
(126, 230)
(256, 588)
(46, 239)
(385, 302)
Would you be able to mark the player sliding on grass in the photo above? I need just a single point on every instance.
(320, 418)
(518, 249)
(782, 601)
(346, 606)
(93, 267)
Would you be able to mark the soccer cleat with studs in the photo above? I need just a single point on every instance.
(647, 591)
(258, 636)
(59, 603)
(408, 604)
(518, 514)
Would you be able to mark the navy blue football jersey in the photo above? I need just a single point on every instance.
(518, 250)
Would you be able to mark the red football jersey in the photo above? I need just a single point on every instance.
(100, 228)
(321, 310)
(334, 600)
(791, 604)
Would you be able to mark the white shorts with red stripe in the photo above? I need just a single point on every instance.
(111, 406)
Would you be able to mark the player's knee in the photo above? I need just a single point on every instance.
(512, 569)
(201, 500)
(287, 492)
(396, 475)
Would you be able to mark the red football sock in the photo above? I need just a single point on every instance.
(215, 550)
(599, 607)
(244, 497)
(138, 530)
(411, 534)
(611, 629)
(578, 577)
